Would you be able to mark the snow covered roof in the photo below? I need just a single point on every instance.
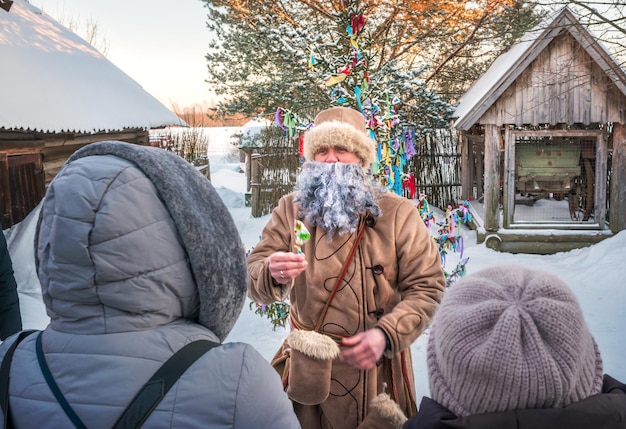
(508, 66)
(54, 81)
(251, 132)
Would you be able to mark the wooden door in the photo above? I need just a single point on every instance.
(22, 186)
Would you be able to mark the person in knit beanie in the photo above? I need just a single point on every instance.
(361, 288)
(138, 257)
(509, 348)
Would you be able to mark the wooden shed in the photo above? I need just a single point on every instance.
(544, 142)
(58, 94)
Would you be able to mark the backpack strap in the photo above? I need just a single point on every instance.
(157, 387)
(150, 394)
(55, 388)
(5, 370)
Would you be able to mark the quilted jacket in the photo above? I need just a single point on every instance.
(119, 287)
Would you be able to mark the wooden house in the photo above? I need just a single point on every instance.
(58, 94)
(544, 142)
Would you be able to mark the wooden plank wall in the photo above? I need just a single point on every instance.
(58, 149)
(563, 85)
(29, 161)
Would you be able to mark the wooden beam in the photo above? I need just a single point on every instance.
(557, 132)
(543, 243)
(467, 165)
(617, 213)
(81, 140)
(492, 177)
(508, 189)
(20, 147)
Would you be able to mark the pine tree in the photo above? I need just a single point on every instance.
(398, 108)
(258, 59)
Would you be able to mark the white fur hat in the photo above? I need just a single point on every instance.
(340, 127)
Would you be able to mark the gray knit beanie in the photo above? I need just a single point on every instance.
(511, 337)
(207, 230)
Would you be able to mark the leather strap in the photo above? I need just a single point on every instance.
(157, 387)
(320, 320)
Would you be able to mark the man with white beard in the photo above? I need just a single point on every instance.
(361, 289)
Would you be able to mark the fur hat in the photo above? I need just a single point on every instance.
(511, 337)
(340, 127)
(205, 228)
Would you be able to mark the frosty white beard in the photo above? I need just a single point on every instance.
(333, 196)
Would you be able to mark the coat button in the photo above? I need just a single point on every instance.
(370, 221)
(378, 269)
(379, 313)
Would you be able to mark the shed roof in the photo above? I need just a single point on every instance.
(54, 81)
(508, 66)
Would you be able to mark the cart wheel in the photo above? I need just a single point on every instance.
(573, 198)
(581, 197)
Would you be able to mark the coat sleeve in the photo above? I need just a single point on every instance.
(10, 317)
(420, 280)
(261, 401)
(275, 237)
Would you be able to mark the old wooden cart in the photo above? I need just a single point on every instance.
(560, 169)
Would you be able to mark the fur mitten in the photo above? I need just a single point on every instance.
(384, 412)
(310, 363)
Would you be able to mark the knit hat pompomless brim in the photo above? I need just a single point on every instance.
(340, 127)
(510, 337)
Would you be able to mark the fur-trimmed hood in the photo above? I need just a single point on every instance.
(131, 238)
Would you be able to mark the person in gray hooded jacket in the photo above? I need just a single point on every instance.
(138, 256)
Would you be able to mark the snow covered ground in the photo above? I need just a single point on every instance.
(596, 274)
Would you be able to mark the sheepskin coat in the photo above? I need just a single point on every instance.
(124, 292)
(394, 282)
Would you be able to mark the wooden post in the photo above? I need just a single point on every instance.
(208, 169)
(492, 177)
(467, 165)
(617, 209)
(508, 198)
(480, 170)
(255, 185)
(248, 153)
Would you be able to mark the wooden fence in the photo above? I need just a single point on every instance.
(435, 168)
(273, 170)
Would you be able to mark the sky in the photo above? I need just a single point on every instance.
(160, 44)
(595, 274)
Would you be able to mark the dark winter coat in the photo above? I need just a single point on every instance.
(119, 251)
(10, 317)
(606, 410)
(394, 283)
